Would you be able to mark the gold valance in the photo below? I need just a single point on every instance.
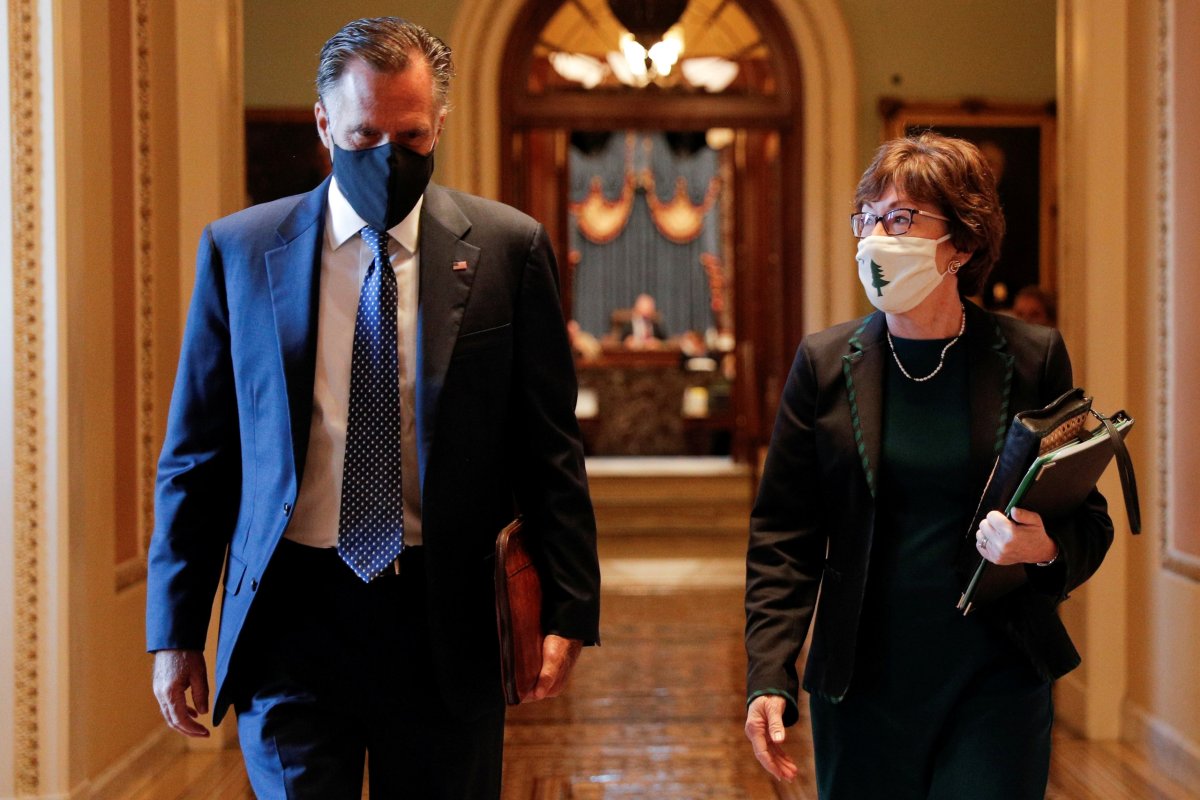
(678, 219)
(601, 220)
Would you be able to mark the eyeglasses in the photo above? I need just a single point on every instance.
(895, 222)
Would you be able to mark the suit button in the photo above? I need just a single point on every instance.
(253, 585)
(287, 508)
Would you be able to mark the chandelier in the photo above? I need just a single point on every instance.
(648, 48)
(652, 41)
(647, 20)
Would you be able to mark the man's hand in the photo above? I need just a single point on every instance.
(764, 729)
(176, 672)
(558, 658)
(1020, 540)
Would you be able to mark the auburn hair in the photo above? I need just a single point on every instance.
(953, 175)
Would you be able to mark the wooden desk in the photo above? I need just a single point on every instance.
(639, 398)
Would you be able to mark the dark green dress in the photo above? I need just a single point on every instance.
(941, 705)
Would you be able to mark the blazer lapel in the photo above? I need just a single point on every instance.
(989, 388)
(989, 379)
(862, 367)
(294, 271)
(448, 266)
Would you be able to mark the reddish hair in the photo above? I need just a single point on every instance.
(954, 176)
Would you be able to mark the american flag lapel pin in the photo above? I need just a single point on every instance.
(460, 266)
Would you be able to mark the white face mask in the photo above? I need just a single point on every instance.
(898, 272)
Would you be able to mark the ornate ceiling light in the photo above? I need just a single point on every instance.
(675, 45)
(647, 20)
(653, 41)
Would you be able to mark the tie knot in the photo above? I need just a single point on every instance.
(377, 239)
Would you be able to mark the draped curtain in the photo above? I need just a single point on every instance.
(644, 219)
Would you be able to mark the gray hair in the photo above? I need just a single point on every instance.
(386, 44)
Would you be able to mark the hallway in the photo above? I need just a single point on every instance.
(656, 712)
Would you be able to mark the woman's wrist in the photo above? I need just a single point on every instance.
(1053, 557)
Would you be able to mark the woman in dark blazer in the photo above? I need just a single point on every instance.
(887, 429)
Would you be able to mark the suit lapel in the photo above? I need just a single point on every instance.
(293, 271)
(862, 367)
(444, 288)
(989, 379)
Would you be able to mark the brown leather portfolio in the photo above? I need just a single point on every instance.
(518, 615)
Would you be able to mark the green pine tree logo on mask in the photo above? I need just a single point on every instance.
(877, 280)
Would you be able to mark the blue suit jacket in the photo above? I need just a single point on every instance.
(495, 425)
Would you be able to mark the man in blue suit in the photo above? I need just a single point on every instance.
(374, 376)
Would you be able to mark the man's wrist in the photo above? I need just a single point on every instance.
(770, 693)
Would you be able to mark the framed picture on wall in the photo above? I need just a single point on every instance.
(1019, 142)
(284, 155)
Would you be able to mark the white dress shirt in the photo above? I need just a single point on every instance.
(345, 258)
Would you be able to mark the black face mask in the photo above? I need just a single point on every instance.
(382, 183)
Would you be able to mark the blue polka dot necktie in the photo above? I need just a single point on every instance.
(371, 525)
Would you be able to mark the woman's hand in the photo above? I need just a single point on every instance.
(1020, 540)
(764, 729)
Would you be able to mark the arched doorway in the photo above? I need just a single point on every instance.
(798, 143)
(542, 116)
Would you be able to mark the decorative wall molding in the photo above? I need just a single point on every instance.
(1174, 559)
(1163, 143)
(823, 45)
(134, 570)
(28, 367)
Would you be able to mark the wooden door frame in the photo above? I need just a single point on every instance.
(768, 297)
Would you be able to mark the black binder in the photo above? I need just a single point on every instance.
(1049, 464)
(1058, 482)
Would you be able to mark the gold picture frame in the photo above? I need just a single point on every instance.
(1019, 140)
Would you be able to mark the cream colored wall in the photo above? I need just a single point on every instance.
(96, 701)
(1163, 703)
(279, 68)
(110, 708)
(283, 38)
(949, 50)
(122, 185)
(1092, 88)
(1137, 623)
(939, 50)
(1100, 69)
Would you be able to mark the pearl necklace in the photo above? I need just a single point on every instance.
(941, 359)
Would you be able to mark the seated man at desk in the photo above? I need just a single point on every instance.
(643, 331)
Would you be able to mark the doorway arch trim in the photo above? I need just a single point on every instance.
(821, 38)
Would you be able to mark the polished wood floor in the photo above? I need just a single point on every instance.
(656, 712)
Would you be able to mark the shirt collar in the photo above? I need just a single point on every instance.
(345, 223)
